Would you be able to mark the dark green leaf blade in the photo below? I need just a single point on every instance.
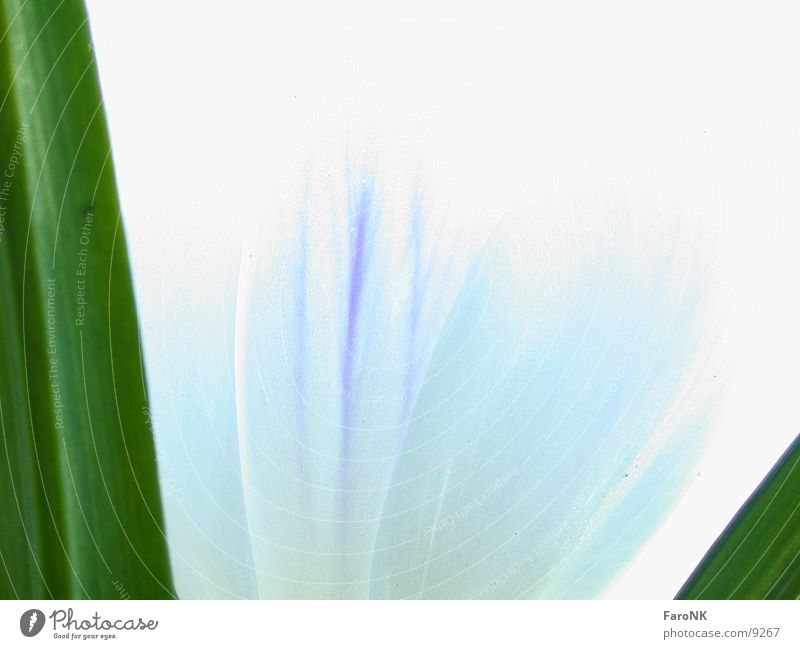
(79, 503)
(758, 554)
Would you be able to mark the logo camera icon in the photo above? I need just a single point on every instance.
(31, 622)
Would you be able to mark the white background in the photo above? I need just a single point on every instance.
(193, 91)
(424, 624)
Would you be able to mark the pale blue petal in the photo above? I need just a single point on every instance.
(409, 428)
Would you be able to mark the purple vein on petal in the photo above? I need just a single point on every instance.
(359, 214)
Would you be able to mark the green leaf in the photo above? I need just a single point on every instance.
(758, 554)
(80, 511)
